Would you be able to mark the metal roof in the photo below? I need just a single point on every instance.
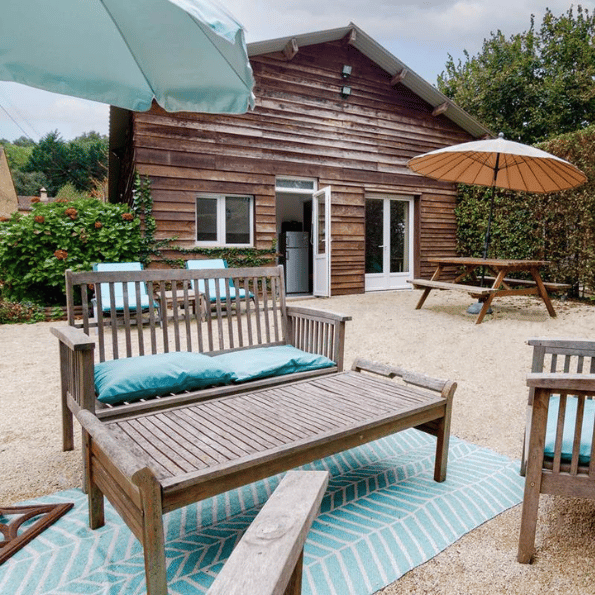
(373, 50)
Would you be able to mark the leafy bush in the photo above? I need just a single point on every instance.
(36, 249)
(15, 312)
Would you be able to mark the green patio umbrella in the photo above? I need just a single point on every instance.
(188, 55)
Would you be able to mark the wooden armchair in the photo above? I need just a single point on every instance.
(559, 453)
(268, 560)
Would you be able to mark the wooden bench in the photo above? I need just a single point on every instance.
(473, 290)
(260, 320)
(150, 463)
(269, 558)
(553, 287)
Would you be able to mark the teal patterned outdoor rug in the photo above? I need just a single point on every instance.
(381, 516)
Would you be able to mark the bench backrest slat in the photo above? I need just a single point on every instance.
(127, 310)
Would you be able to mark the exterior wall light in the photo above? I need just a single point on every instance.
(346, 72)
(345, 92)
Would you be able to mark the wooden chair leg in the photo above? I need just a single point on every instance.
(533, 477)
(528, 523)
(67, 417)
(94, 494)
(153, 537)
(294, 586)
(443, 434)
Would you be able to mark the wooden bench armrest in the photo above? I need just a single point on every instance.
(74, 338)
(316, 314)
(446, 387)
(268, 558)
(317, 331)
(584, 383)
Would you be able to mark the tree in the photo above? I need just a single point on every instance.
(51, 156)
(534, 85)
(81, 162)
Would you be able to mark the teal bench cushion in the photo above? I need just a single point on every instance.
(146, 376)
(569, 425)
(263, 362)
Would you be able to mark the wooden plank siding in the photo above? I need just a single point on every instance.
(302, 127)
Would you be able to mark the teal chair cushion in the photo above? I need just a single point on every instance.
(119, 289)
(264, 362)
(214, 263)
(146, 376)
(569, 425)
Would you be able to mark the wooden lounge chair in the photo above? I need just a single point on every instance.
(559, 454)
(215, 291)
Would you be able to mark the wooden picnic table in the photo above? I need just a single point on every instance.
(501, 285)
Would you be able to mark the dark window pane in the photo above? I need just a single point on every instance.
(374, 236)
(206, 219)
(237, 220)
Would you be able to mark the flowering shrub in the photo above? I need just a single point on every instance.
(36, 249)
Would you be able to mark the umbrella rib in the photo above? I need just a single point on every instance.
(107, 10)
(200, 24)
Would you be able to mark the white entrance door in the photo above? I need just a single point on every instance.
(389, 242)
(321, 241)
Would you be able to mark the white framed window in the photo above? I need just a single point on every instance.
(295, 185)
(224, 220)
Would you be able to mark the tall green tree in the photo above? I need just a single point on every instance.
(51, 157)
(532, 85)
(80, 162)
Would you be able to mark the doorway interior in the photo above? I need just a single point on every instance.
(294, 227)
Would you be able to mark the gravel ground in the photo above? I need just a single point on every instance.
(489, 362)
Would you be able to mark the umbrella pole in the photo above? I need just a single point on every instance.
(476, 307)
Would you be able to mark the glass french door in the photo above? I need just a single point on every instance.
(321, 242)
(389, 242)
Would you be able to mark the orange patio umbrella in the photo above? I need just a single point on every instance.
(502, 163)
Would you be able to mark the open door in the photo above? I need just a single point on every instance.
(321, 241)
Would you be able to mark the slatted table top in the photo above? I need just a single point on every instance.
(224, 433)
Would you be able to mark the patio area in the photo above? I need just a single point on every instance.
(489, 363)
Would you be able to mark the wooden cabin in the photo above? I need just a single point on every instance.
(317, 170)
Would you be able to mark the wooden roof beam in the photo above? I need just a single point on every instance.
(398, 78)
(290, 49)
(350, 38)
(440, 109)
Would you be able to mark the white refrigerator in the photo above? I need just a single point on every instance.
(297, 265)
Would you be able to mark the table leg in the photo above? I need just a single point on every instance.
(543, 292)
(423, 297)
(485, 308)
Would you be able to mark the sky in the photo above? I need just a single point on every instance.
(420, 33)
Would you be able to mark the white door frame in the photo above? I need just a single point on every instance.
(321, 243)
(387, 280)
